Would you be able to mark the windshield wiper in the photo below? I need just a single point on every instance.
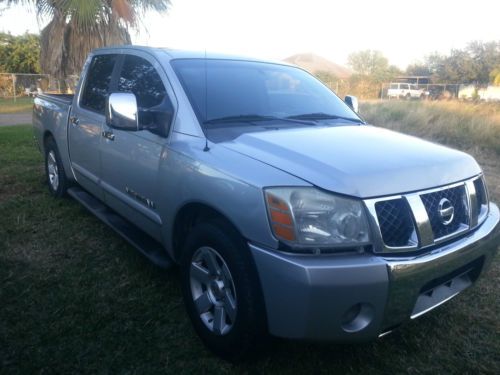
(323, 116)
(253, 118)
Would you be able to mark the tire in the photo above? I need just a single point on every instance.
(54, 170)
(408, 96)
(218, 272)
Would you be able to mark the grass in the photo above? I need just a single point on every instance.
(460, 124)
(75, 298)
(21, 104)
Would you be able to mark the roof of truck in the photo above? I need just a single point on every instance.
(184, 54)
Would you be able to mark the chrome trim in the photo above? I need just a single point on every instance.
(463, 228)
(472, 201)
(415, 316)
(483, 214)
(385, 333)
(424, 236)
(422, 222)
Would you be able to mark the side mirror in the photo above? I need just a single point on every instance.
(121, 111)
(352, 102)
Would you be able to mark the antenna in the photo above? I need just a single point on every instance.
(206, 99)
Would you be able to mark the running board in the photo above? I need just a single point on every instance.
(148, 246)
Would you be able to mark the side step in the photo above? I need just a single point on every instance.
(149, 247)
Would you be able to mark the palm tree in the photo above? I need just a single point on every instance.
(78, 26)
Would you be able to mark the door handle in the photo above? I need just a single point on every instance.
(74, 120)
(108, 135)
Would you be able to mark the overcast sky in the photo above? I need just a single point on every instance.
(405, 31)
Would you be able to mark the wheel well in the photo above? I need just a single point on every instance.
(190, 215)
(46, 136)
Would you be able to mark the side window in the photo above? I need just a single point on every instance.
(141, 78)
(96, 87)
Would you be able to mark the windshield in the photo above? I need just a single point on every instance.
(243, 91)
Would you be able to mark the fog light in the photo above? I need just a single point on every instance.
(357, 317)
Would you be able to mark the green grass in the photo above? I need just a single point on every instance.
(22, 104)
(75, 298)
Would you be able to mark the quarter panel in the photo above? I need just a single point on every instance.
(52, 116)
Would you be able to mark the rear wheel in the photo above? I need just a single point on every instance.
(408, 96)
(221, 290)
(54, 170)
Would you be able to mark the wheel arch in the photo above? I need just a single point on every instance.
(46, 135)
(188, 216)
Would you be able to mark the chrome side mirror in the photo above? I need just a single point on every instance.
(352, 102)
(121, 111)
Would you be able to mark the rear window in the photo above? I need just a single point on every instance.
(97, 83)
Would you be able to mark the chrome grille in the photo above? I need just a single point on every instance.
(395, 221)
(412, 221)
(460, 219)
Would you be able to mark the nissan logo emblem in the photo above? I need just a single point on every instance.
(446, 211)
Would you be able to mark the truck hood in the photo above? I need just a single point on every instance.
(362, 161)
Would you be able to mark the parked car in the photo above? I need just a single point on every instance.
(467, 92)
(489, 94)
(406, 91)
(285, 212)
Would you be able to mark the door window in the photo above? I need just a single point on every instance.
(97, 83)
(140, 77)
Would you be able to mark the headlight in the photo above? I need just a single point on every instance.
(311, 218)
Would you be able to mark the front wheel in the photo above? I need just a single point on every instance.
(221, 290)
(54, 170)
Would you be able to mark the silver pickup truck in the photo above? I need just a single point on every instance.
(285, 212)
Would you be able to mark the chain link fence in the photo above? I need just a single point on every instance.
(15, 85)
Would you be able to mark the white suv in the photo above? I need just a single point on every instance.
(406, 91)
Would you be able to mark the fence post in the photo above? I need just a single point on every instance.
(14, 86)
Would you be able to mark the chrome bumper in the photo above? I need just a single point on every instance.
(408, 278)
(359, 297)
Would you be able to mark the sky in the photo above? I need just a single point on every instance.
(405, 31)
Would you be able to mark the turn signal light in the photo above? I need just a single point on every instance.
(280, 217)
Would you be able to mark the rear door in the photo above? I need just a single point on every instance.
(87, 120)
(131, 159)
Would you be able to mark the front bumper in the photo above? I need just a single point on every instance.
(358, 297)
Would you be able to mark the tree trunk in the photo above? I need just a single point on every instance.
(65, 46)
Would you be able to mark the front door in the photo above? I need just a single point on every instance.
(131, 159)
(87, 121)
